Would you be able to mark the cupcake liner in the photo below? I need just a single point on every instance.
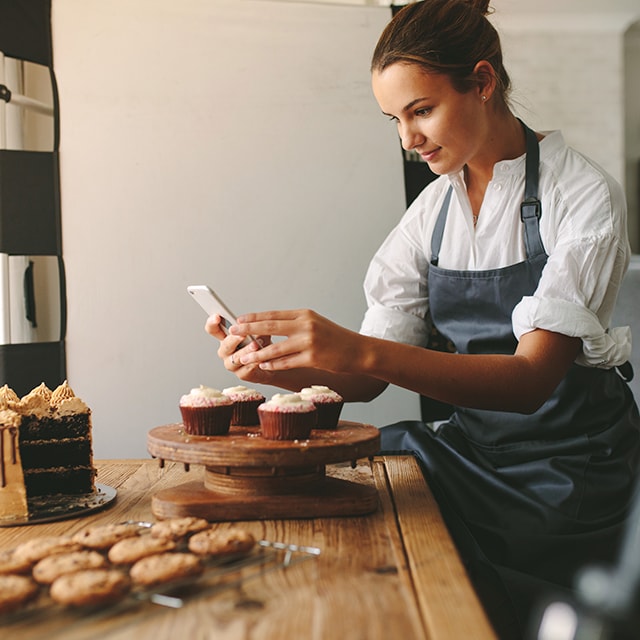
(328, 414)
(281, 425)
(207, 421)
(245, 412)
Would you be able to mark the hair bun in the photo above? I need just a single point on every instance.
(481, 5)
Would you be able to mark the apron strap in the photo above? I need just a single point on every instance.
(438, 230)
(531, 209)
(625, 371)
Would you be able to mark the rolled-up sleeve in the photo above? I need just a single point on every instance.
(600, 348)
(394, 324)
(574, 297)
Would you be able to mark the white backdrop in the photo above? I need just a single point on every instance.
(228, 142)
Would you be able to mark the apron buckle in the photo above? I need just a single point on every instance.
(530, 208)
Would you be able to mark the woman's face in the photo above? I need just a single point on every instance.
(441, 124)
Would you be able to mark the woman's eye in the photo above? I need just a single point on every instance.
(425, 111)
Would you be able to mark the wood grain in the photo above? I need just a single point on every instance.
(250, 477)
(328, 497)
(439, 576)
(245, 447)
(379, 577)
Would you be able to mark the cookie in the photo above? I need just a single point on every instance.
(90, 588)
(10, 564)
(52, 567)
(131, 550)
(178, 528)
(38, 548)
(215, 542)
(16, 591)
(101, 537)
(165, 567)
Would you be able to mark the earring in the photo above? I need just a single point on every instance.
(484, 98)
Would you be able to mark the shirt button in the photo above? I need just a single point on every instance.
(497, 186)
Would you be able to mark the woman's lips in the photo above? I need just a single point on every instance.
(428, 156)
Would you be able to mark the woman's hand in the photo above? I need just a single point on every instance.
(230, 354)
(311, 341)
(314, 351)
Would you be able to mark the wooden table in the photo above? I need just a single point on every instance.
(391, 574)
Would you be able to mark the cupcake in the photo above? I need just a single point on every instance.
(245, 409)
(327, 402)
(206, 412)
(287, 417)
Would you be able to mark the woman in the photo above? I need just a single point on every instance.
(515, 254)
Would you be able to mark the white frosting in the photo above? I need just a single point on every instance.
(242, 393)
(288, 402)
(239, 389)
(205, 397)
(206, 392)
(317, 390)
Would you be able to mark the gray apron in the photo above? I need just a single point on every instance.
(528, 498)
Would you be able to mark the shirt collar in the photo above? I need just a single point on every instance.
(552, 142)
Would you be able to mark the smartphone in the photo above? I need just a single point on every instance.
(212, 304)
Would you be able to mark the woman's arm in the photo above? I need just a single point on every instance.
(520, 382)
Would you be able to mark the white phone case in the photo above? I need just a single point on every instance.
(212, 304)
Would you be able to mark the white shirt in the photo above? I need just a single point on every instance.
(583, 230)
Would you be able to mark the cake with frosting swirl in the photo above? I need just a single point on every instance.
(206, 412)
(46, 447)
(328, 402)
(246, 403)
(287, 416)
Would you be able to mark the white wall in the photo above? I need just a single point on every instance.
(234, 143)
(632, 127)
(540, 7)
(196, 137)
(575, 72)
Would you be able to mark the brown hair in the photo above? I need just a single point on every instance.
(444, 36)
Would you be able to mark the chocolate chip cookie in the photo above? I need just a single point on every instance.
(16, 591)
(38, 548)
(52, 567)
(178, 528)
(165, 567)
(213, 542)
(10, 564)
(101, 537)
(131, 550)
(90, 588)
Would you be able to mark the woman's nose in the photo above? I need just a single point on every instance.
(410, 137)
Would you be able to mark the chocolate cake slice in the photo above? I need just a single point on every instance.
(45, 445)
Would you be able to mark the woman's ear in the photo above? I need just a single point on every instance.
(486, 76)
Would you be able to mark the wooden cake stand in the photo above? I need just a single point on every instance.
(250, 478)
